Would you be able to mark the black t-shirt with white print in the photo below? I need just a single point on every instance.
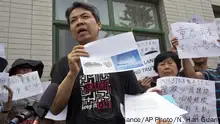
(96, 99)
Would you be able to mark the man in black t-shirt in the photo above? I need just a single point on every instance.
(91, 99)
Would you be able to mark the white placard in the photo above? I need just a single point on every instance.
(150, 107)
(149, 49)
(194, 95)
(3, 92)
(196, 40)
(112, 54)
(25, 86)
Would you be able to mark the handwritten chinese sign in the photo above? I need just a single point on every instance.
(3, 91)
(149, 49)
(25, 86)
(196, 40)
(194, 95)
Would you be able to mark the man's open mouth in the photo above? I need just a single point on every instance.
(81, 31)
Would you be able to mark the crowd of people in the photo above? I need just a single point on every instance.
(80, 93)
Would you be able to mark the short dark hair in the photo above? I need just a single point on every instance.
(85, 6)
(165, 55)
(52, 70)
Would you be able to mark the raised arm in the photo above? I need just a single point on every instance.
(5, 109)
(67, 81)
(189, 71)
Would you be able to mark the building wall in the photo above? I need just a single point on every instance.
(182, 10)
(26, 30)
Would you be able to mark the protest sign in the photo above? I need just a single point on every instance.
(25, 86)
(195, 96)
(196, 40)
(3, 91)
(195, 19)
(149, 49)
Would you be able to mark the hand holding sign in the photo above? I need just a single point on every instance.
(158, 90)
(3, 91)
(146, 82)
(8, 104)
(74, 58)
(174, 42)
(218, 43)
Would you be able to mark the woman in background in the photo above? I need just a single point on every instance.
(5, 107)
(20, 67)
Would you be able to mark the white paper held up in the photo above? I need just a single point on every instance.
(194, 95)
(196, 40)
(149, 49)
(3, 92)
(149, 108)
(112, 54)
(25, 86)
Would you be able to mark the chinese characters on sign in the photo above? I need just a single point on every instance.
(149, 49)
(196, 96)
(26, 85)
(148, 46)
(196, 40)
(3, 91)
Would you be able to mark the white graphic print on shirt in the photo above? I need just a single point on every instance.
(95, 91)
